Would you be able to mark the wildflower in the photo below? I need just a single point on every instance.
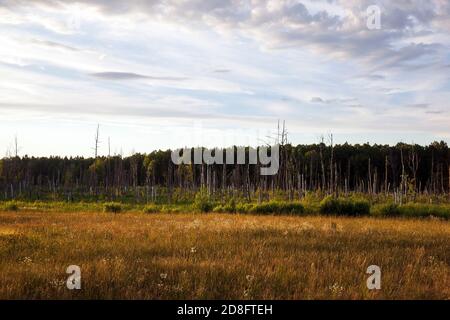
(193, 250)
(163, 276)
(336, 288)
(27, 260)
(250, 278)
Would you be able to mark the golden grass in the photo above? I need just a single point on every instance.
(221, 256)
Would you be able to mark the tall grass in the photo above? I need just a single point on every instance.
(221, 256)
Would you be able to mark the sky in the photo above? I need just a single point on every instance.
(162, 74)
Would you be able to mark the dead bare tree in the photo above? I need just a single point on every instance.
(322, 163)
(16, 146)
(331, 186)
(414, 165)
(97, 141)
(386, 175)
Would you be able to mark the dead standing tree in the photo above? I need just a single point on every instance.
(414, 166)
(322, 165)
(96, 145)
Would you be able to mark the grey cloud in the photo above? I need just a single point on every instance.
(53, 44)
(329, 101)
(434, 112)
(375, 77)
(222, 71)
(111, 75)
(356, 106)
(291, 24)
(418, 105)
(154, 110)
(317, 100)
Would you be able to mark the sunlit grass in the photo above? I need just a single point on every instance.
(221, 256)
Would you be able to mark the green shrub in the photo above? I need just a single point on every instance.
(330, 205)
(230, 206)
(112, 207)
(10, 206)
(360, 208)
(263, 208)
(171, 209)
(202, 202)
(151, 208)
(219, 209)
(345, 207)
(424, 210)
(274, 207)
(293, 208)
(244, 207)
(387, 209)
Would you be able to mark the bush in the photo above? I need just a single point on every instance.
(263, 208)
(11, 206)
(230, 207)
(278, 208)
(219, 209)
(345, 207)
(202, 202)
(172, 209)
(293, 208)
(151, 208)
(330, 205)
(388, 209)
(424, 210)
(360, 207)
(112, 207)
(244, 207)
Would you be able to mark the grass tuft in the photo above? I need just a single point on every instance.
(10, 206)
(112, 207)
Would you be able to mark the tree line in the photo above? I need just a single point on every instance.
(401, 170)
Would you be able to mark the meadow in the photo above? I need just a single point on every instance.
(137, 255)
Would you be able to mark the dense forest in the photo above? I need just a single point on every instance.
(399, 170)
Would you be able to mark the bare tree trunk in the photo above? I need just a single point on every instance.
(369, 183)
(322, 165)
(331, 187)
(386, 175)
(96, 141)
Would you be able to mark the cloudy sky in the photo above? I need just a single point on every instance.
(173, 73)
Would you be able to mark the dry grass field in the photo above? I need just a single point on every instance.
(221, 256)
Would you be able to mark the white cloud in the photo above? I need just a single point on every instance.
(233, 62)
